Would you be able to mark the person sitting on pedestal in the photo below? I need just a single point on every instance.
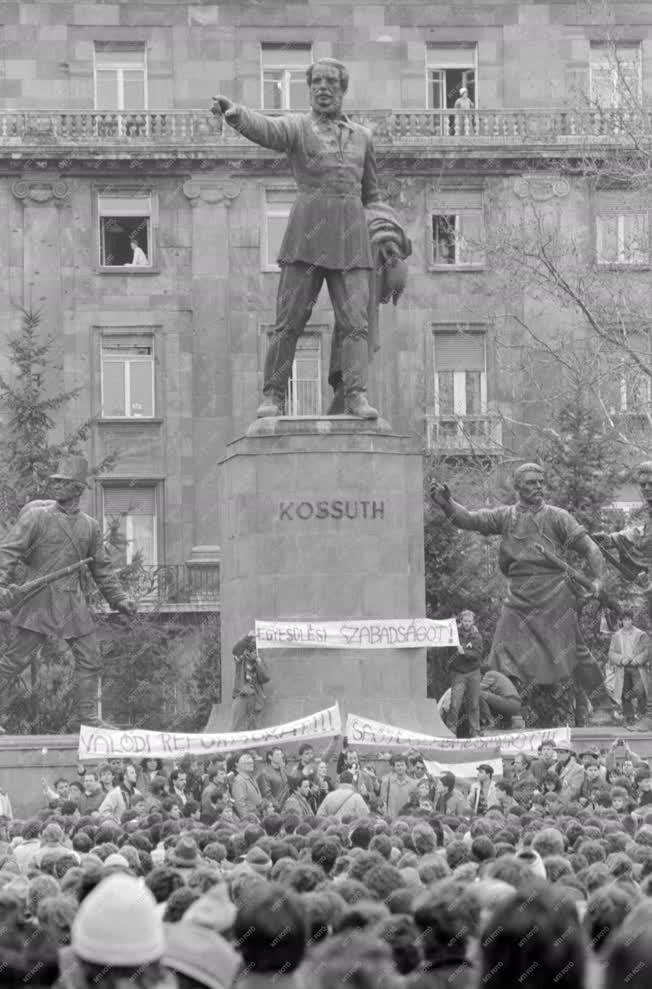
(500, 704)
(250, 676)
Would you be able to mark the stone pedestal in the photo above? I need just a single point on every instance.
(322, 518)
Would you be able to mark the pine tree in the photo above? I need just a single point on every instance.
(28, 454)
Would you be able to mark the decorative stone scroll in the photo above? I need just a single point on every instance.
(209, 191)
(40, 193)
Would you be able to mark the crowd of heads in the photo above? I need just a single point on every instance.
(546, 886)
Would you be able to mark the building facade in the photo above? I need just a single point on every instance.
(146, 231)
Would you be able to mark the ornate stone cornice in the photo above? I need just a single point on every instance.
(40, 193)
(217, 192)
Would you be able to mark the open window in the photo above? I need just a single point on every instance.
(130, 511)
(283, 76)
(457, 229)
(125, 231)
(451, 84)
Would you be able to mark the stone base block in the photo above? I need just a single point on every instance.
(322, 519)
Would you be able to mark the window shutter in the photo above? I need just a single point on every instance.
(136, 500)
(459, 351)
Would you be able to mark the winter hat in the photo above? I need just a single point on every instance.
(116, 861)
(214, 909)
(200, 953)
(259, 860)
(117, 925)
(185, 854)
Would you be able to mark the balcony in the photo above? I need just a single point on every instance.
(199, 133)
(172, 588)
(464, 435)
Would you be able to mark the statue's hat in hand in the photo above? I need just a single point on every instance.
(72, 468)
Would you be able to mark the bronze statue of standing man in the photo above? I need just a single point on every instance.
(339, 231)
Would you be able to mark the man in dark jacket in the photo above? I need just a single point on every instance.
(465, 673)
(47, 536)
(250, 677)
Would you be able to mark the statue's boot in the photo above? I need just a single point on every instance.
(88, 691)
(355, 363)
(338, 402)
(270, 407)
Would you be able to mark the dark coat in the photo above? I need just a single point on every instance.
(334, 166)
(46, 538)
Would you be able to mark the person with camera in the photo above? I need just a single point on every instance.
(250, 677)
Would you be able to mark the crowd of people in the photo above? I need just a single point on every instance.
(333, 873)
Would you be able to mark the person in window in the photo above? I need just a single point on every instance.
(463, 104)
(139, 258)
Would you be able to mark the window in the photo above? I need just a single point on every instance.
(120, 76)
(460, 373)
(304, 386)
(628, 385)
(623, 238)
(283, 76)
(127, 376)
(276, 211)
(449, 70)
(615, 75)
(125, 231)
(457, 229)
(460, 389)
(132, 511)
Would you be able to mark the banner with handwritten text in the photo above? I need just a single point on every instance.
(368, 633)
(98, 743)
(467, 770)
(363, 732)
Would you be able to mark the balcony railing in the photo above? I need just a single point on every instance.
(171, 587)
(464, 434)
(200, 129)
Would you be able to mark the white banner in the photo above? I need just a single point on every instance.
(369, 633)
(463, 770)
(363, 732)
(97, 743)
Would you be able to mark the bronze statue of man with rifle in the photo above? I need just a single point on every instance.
(537, 639)
(56, 542)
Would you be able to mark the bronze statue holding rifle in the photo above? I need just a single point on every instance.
(537, 641)
(56, 541)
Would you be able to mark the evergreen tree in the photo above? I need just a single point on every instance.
(31, 401)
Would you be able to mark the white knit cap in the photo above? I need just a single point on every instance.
(117, 924)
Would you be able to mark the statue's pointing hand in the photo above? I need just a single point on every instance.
(221, 104)
(127, 607)
(440, 494)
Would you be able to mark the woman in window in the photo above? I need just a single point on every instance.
(139, 258)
